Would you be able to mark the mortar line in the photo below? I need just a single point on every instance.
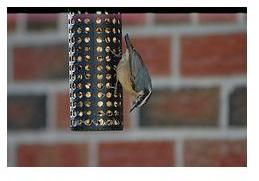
(135, 119)
(141, 134)
(194, 19)
(150, 19)
(51, 111)
(62, 23)
(241, 18)
(175, 57)
(93, 154)
(21, 24)
(12, 153)
(10, 64)
(222, 108)
(179, 152)
(158, 82)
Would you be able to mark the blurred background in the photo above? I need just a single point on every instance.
(196, 116)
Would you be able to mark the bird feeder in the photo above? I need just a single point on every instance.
(94, 103)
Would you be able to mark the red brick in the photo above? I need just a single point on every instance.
(39, 63)
(133, 19)
(213, 55)
(215, 153)
(155, 52)
(52, 155)
(26, 112)
(188, 107)
(11, 22)
(62, 107)
(155, 153)
(172, 18)
(214, 17)
(42, 22)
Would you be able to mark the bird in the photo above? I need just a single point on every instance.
(133, 75)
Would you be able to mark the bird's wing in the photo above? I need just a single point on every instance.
(138, 71)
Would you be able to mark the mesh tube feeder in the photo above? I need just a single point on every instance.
(94, 106)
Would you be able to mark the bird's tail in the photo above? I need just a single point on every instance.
(128, 42)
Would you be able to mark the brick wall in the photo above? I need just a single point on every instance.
(195, 117)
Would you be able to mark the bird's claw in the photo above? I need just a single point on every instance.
(115, 89)
(116, 54)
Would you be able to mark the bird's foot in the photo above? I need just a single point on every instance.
(115, 89)
(116, 54)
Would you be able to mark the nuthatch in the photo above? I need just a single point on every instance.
(133, 75)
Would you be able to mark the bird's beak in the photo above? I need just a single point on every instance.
(133, 108)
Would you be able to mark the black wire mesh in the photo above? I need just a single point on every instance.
(94, 105)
